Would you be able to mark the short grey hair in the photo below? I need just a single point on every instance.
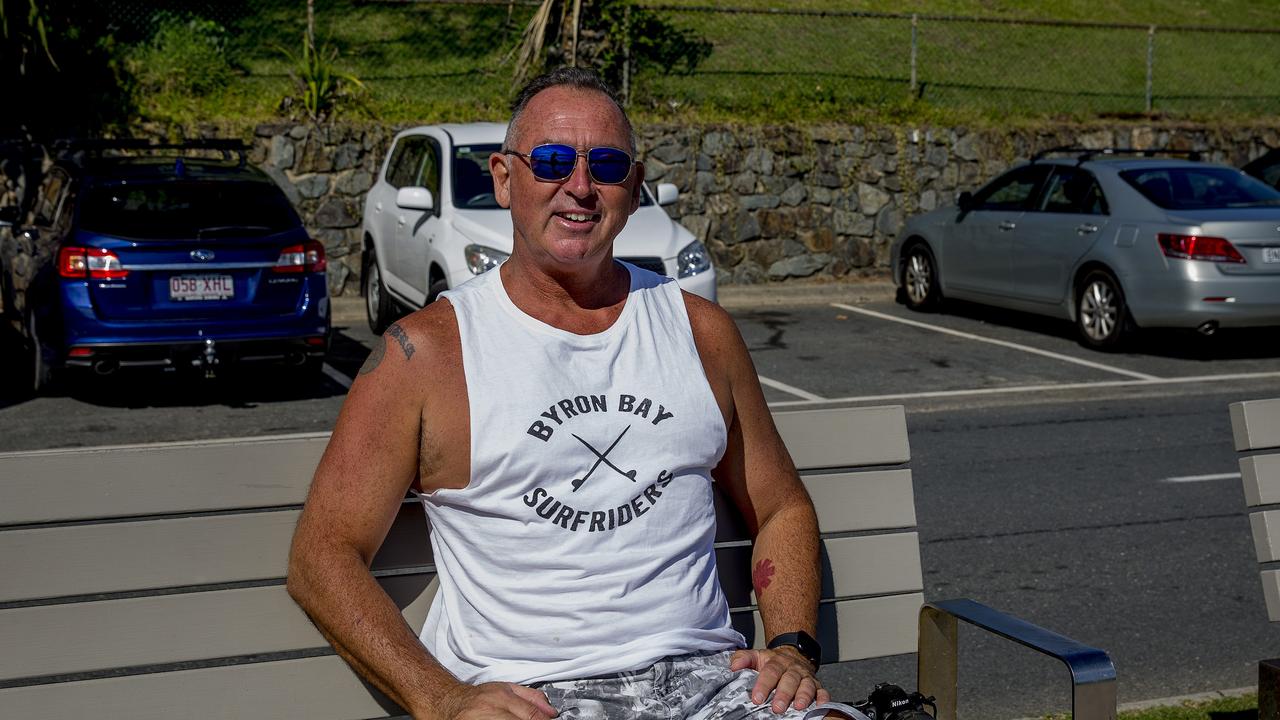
(574, 77)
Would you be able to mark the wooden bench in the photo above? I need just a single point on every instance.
(147, 582)
(1255, 426)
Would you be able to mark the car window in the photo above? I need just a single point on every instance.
(1011, 191)
(472, 181)
(1271, 175)
(191, 209)
(1073, 190)
(429, 174)
(1200, 188)
(406, 161)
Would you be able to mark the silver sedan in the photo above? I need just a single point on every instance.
(1112, 243)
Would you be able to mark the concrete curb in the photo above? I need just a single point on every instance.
(350, 308)
(1174, 700)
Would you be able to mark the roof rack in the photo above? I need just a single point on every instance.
(1084, 154)
(96, 147)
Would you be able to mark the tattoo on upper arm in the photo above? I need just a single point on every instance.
(375, 356)
(762, 575)
(401, 337)
(380, 348)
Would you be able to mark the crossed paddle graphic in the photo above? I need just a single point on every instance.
(602, 457)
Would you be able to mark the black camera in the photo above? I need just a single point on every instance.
(890, 702)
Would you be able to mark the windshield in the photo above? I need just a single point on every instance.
(187, 209)
(1200, 188)
(473, 184)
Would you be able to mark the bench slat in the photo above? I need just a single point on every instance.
(861, 629)
(174, 552)
(227, 623)
(1271, 591)
(82, 484)
(1261, 476)
(320, 688)
(1255, 424)
(870, 500)
(324, 688)
(845, 437)
(173, 628)
(1266, 535)
(85, 483)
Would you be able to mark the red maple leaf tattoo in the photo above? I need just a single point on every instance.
(762, 575)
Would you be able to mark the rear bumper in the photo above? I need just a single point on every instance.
(1198, 292)
(203, 354)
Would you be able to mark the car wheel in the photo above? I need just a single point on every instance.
(436, 288)
(376, 303)
(1102, 317)
(920, 278)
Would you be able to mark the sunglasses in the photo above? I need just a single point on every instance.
(555, 163)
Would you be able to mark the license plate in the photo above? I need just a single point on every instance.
(201, 287)
(1271, 255)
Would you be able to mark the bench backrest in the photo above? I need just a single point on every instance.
(1255, 426)
(146, 582)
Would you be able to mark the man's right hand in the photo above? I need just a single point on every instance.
(505, 701)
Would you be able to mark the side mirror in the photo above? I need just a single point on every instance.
(668, 193)
(415, 198)
(964, 201)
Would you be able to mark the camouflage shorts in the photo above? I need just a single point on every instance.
(696, 687)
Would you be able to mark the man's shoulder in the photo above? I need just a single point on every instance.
(435, 327)
(706, 318)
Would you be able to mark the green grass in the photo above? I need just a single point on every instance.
(1244, 707)
(427, 63)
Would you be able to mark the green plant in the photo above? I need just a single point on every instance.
(321, 84)
(186, 56)
(605, 35)
(29, 36)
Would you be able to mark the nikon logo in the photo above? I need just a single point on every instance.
(898, 703)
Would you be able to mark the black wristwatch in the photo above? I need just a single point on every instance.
(801, 641)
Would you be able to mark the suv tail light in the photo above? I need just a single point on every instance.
(92, 263)
(1196, 247)
(304, 257)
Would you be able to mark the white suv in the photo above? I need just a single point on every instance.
(431, 223)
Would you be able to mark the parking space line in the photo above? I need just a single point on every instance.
(1202, 478)
(167, 444)
(1048, 387)
(335, 375)
(789, 389)
(1001, 343)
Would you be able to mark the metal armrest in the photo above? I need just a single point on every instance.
(1093, 676)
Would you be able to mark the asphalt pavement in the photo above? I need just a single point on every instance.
(1095, 494)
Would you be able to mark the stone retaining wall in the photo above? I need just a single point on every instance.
(772, 203)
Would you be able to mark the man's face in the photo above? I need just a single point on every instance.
(575, 219)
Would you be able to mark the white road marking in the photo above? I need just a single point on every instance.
(1202, 478)
(1001, 343)
(336, 376)
(808, 396)
(1034, 388)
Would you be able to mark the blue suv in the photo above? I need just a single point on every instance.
(140, 255)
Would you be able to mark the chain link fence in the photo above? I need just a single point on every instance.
(424, 60)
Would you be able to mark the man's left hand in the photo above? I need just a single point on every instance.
(784, 672)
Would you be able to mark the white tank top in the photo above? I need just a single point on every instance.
(583, 544)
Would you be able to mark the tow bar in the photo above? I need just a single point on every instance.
(208, 360)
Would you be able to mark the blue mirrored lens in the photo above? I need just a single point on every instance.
(552, 162)
(608, 165)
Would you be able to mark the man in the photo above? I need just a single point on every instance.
(564, 415)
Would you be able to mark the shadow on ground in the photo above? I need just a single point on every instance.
(237, 387)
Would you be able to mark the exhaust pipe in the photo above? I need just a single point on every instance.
(296, 359)
(106, 367)
(1208, 328)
